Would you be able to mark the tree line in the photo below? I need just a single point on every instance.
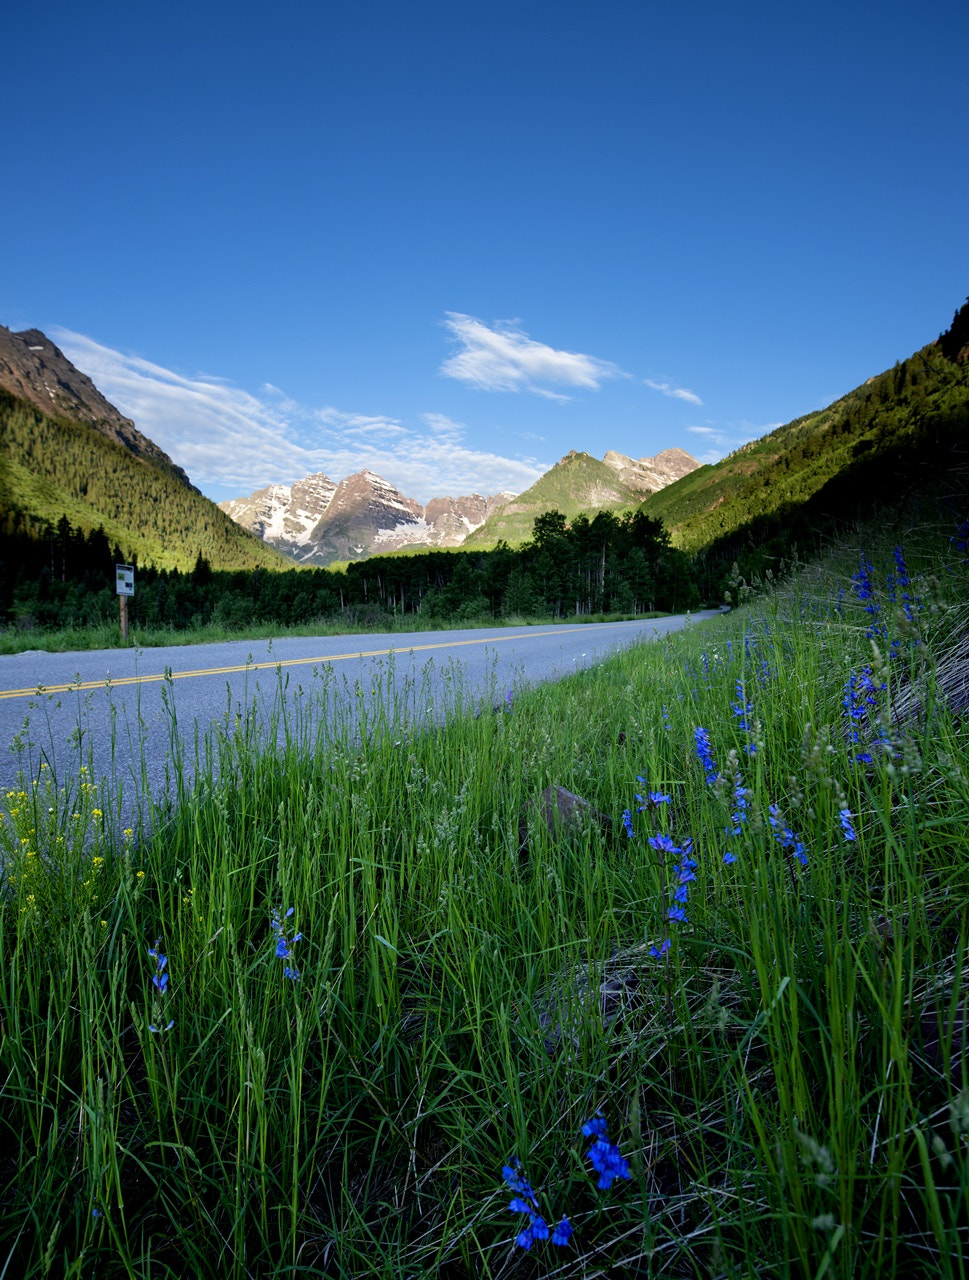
(59, 576)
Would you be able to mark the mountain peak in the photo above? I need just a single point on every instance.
(34, 369)
(580, 484)
(317, 521)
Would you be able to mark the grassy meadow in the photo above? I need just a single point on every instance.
(336, 1010)
(107, 635)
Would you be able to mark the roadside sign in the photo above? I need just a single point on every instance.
(125, 578)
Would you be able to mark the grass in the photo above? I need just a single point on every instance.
(786, 1082)
(108, 636)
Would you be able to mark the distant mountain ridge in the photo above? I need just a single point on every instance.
(318, 521)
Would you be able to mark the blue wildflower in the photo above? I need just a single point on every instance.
(627, 822)
(653, 798)
(739, 815)
(284, 944)
(909, 601)
(683, 874)
(662, 843)
(513, 1176)
(786, 837)
(865, 591)
(596, 1127)
(687, 864)
(159, 980)
(859, 701)
(702, 742)
(604, 1155)
(661, 950)
(729, 858)
(526, 1202)
(537, 1229)
(562, 1232)
(741, 707)
(608, 1163)
(847, 827)
(862, 579)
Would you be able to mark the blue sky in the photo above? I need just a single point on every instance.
(452, 242)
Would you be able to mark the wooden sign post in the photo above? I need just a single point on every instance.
(125, 583)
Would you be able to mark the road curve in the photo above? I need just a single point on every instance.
(134, 717)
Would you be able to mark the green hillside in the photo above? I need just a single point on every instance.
(51, 468)
(577, 485)
(898, 430)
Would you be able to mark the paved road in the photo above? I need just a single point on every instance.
(138, 718)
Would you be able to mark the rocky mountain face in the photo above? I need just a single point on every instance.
(648, 475)
(34, 369)
(454, 518)
(282, 514)
(316, 521)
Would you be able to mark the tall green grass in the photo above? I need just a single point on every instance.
(787, 1080)
(107, 635)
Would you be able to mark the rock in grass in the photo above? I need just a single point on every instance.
(563, 814)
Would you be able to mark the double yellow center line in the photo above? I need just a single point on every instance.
(81, 686)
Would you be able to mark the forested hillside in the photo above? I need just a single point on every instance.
(897, 432)
(53, 469)
(578, 485)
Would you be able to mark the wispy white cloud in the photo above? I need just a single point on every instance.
(506, 359)
(678, 393)
(231, 442)
(724, 441)
(710, 433)
(715, 439)
(349, 426)
(443, 426)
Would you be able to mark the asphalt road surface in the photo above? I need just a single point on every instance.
(139, 719)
